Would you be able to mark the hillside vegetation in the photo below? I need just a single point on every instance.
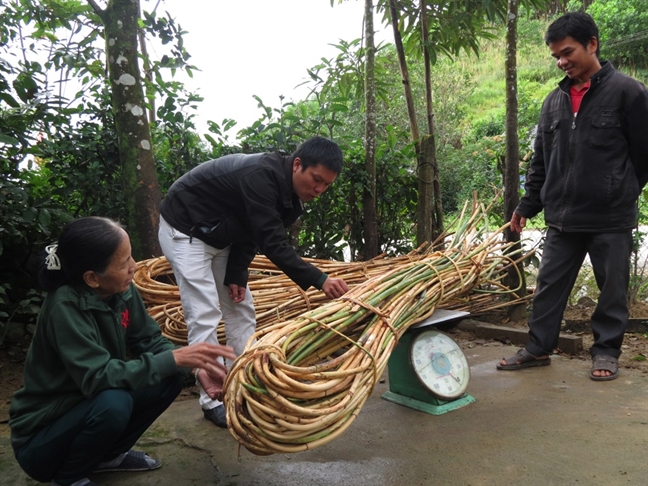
(471, 148)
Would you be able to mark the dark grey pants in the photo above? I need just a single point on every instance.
(96, 430)
(562, 257)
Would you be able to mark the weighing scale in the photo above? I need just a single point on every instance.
(428, 371)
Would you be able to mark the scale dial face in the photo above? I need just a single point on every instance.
(440, 364)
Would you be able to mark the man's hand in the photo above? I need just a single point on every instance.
(334, 287)
(236, 292)
(517, 223)
(212, 386)
(205, 356)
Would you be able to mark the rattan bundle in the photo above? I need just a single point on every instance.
(303, 381)
(276, 297)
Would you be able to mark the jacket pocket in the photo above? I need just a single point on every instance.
(218, 232)
(605, 131)
(550, 135)
(207, 227)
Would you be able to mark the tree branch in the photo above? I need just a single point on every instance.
(95, 6)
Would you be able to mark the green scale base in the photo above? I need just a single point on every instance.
(438, 408)
(406, 389)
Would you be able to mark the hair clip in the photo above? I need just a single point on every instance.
(52, 259)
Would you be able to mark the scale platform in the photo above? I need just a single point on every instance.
(427, 369)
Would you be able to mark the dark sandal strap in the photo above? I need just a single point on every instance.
(521, 357)
(602, 362)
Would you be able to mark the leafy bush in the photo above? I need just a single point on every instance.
(623, 29)
(28, 217)
(337, 215)
(490, 127)
(476, 167)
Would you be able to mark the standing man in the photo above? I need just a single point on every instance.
(589, 167)
(216, 216)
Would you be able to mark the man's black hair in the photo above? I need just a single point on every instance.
(577, 25)
(319, 150)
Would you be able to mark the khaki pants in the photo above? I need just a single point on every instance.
(199, 270)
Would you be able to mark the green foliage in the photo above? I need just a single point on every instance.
(490, 127)
(59, 155)
(397, 201)
(279, 128)
(475, 167)
(26, 224)
(623, 30)
(452, 86)
(28, 216)
(220, 139)
(530, 34)
(81, 152)
(342, 75)
(177, 146)
(336, 215)
(455, 25)
(170, 35)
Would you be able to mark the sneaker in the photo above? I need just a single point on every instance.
(217, 415)
(130, 461)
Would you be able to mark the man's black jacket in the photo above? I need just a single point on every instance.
(588, 171)
(246, 201)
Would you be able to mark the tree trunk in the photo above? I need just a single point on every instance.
(425, 215)
(429, 182)
(148, 74)
(423, 233)
(371, 245)
(293, 233)
(511, 174)
(140, 182)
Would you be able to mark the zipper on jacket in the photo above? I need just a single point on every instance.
(568, 165)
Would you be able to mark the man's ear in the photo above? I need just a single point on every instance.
(91, 279)
(594, 43)
(296, 164)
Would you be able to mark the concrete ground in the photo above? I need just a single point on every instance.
(540, 426)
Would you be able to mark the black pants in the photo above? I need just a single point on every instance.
(96, 430)
(562, 258)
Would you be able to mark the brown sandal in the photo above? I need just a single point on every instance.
(523, 359)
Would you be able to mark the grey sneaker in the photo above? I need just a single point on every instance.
(131, 461)
(217, 415)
